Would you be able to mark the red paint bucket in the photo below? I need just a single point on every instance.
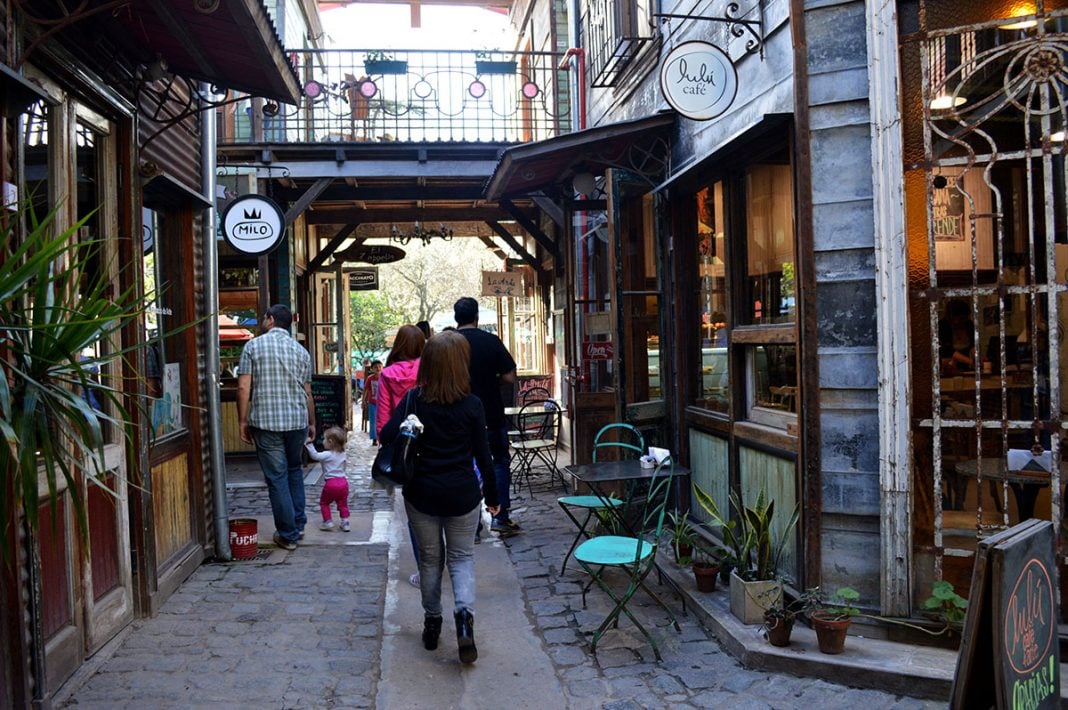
(244, 538)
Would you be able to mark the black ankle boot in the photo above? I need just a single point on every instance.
(431, 631)
(465, 636)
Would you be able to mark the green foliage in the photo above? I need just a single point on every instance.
(372, 320)
(946, 603)
(836, 607)
(753, 547)
(56, 302)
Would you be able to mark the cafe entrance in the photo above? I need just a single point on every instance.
(985, 190)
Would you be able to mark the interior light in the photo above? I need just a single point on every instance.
(1056, 137)
(584, 183)
(1023, 13)
(946, 101)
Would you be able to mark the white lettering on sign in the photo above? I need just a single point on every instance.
(698, 80)
(602, 350)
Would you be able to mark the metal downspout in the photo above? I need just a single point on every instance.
(211, 334)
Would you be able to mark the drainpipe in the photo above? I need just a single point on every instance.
(211, 336)
(580, 70)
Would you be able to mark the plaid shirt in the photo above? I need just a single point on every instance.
(280, 367)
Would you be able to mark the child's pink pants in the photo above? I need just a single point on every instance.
(335, 490)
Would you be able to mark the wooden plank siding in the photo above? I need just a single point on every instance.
(710, 469)
(171, 507)
(777, 477)
(103, 535)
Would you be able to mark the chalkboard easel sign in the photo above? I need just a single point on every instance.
(328, 393)
(1010, 650)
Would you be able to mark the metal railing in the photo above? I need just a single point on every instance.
(411, 96)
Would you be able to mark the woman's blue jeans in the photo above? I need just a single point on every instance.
(279, 453)
(457, 550)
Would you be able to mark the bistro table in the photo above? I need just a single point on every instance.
(1025, 485)
(601, 473)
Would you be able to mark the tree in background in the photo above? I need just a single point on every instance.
(431, 278)
(373, 321)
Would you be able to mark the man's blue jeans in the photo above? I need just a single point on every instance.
(280, 455)
(498, 444)
(457, 549)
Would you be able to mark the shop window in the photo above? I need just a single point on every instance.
(614, 33)
(163, 369)
(713, 380)
(746, 293)
(641, 303)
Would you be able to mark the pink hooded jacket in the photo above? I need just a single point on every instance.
(394, 382)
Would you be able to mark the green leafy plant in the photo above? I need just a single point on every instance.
(834, 608)
(682, 534)
(56, 302)
(752, 546)
(945, 603)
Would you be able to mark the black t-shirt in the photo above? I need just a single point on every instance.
(489, 360)
(453, 435)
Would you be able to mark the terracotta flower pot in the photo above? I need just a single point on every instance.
(683, 551)
(779, 629)
(705, 574)
(830, 632)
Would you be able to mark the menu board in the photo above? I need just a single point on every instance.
(1010, 650)
(328, 393)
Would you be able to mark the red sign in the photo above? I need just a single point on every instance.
(601, 350)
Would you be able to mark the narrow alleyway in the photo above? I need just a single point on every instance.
(335, 624)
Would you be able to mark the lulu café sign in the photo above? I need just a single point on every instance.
(253, 224)
(698, 80)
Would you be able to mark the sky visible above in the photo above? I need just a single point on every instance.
(388, 26)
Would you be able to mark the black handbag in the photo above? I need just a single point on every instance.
(395, 463)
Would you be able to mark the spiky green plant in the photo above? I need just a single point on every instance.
(754, 548)
(55, 302)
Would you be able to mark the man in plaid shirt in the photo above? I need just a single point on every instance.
(276, 411)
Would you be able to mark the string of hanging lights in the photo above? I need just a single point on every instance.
(418, 232)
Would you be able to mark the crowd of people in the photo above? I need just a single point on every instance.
(451, 381)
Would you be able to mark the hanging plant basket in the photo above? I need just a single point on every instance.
(491, 66)
(385, 66)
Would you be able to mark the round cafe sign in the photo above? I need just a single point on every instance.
(698, 80)
(253, 224)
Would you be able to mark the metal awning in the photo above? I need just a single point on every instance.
(636, 145)
(232, 44)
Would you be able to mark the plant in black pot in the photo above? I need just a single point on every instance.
(780, 617)
(831, 619)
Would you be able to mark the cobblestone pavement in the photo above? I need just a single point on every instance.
(305, 630)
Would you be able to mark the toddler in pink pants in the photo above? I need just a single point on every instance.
(335, 485)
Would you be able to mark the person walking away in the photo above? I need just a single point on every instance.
(361, 376)
(491, 366)
(335, 484)
(275, 411)
(444, 497)
(370, 397)
(424, 326)
(399, 376)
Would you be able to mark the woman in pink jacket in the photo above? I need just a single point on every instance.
(402, 367)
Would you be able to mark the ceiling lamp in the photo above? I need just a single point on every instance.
(417, 232)
(944, 102)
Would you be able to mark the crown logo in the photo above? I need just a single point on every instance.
(254, 214)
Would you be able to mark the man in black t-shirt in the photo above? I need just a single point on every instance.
(491, 365)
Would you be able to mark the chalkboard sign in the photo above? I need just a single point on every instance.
(328, 392)
(527, 383)
(1010, 650)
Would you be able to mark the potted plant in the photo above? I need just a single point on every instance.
(831, 620)
(682, 536)
(754, 549)
(379, 62)
(485, 64)
(705, 569)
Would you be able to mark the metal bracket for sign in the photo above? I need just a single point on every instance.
(736, 25)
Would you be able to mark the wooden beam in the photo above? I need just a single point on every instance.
(549, 207)
(511, 241)
(496, 249)
(331, 247)
(408, 214)
(306, 199)
(532, 228)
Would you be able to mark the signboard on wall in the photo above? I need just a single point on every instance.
(253, 224)
(372, 254)
(601, 350)
(363, 279)
(699, 80)
(1010, 649)
(328, 394)
(502, 283)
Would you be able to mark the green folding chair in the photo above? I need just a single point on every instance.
(635, 556)
(620, 440)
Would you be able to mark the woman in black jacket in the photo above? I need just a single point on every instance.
(444, 497)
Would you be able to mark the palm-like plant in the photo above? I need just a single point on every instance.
(55, 303)
(753, 545)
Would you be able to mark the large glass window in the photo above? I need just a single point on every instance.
(769, 218)
(714, 376)
(163, 368)
(641, 303)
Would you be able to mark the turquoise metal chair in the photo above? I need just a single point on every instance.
(635, 556)
(621, 440)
